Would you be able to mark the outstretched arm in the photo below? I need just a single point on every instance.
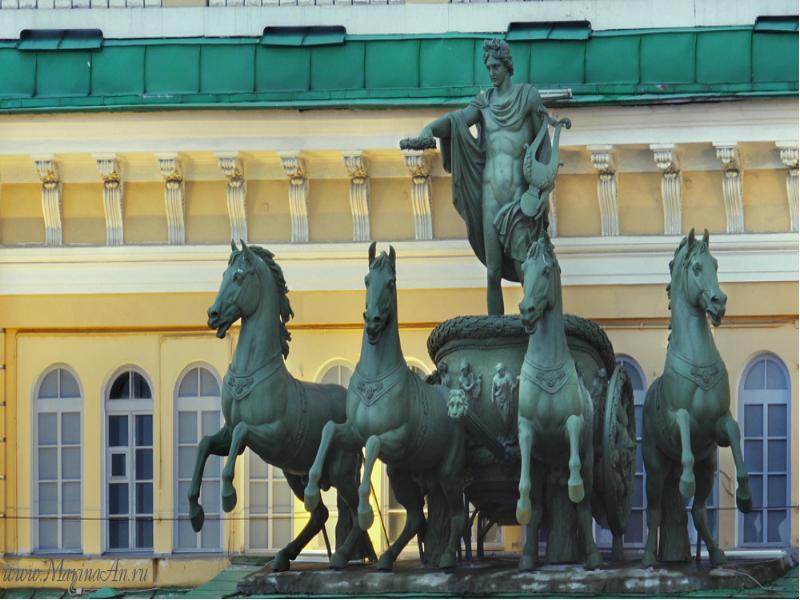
(441, 126)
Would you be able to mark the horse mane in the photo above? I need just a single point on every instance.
(285, 312)
(543, 247)
(683, 254)
(382, 260)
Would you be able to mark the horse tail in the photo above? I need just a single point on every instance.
(437, 530)
(673, 539)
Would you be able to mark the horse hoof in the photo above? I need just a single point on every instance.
(686, 487)
(526, 563)
(717, 557)
(197, 517)
(280, 563)
(385, 563)
(648, 559)
(523, 512)
(576, 492)
(310, 500)
(448, 560)
(365, 519)
(744, 502)
(593, 561)
(229, 500)
(338, 561)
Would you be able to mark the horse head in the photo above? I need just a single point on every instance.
(239, 294)
(540, 271)
(381, 293)
(697, 276)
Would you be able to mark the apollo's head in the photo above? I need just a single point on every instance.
(498, 50)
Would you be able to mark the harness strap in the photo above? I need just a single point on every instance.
(704, 376)
(549, 379)
(240, 386)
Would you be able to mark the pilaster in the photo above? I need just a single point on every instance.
(170, 167)
(356, 165)
(108, 165)
(665, 157)
(231, 166)
(603, 162)
(295, 169)
(419, 165)
(789, 155)
(728, 155)
(47, 169)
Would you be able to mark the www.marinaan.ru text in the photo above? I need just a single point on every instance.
(57, 572)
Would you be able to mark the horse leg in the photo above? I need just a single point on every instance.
(319, 516)
(686, 485)
(365, 515)
(704, 473)
(525, 427)
(575, 487)
(410, 497)
(238, 443)
(343, 471)
(584, 509)
(656, 470)
(339, 434)
(452, 484)
(728, 434)
(530, 552)
(217, 444)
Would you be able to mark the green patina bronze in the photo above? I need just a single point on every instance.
(403, 422)
(687, 412)
(556, 415)
(269, 411)
(499, 191)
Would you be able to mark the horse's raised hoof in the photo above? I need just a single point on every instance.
(744, 501)
(686, 486)
(523, 511)
(648, 559)
(310, 499)
(280, 563)
(339, 561)
(385, 562)
(717, 557)
(576, 491)
(197, 517)
(447, 561)
(593, 561)
(365, 518)
(526, 562)
(229, 500)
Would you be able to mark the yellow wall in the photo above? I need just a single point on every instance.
(447, 224)
(764, 198)
(83, 219)
(207, 212)
(640, 207)
(144, 215)
(703, 204)
(268, 211)
(21, 220)
(329, 217)
(391, 217)
(577, 207)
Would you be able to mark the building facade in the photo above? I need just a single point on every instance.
(136, 142)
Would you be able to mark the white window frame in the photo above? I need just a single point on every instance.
(130, 408)
(59, 406)
(787, 393)
(196, 404)
(271, 480)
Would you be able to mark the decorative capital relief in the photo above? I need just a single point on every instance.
(170, 166)
(789, 154)
(47, 169)
(231, 166)
(665, 157)
(356, 165)
(418, 162)
(294, 166)
(728, 155)
(603, 159)
(108, 165)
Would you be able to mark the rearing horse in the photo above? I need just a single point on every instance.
(687, 411)
(401, 420)
(266, 409)
(556, 414)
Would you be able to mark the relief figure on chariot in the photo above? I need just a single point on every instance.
(501, 180)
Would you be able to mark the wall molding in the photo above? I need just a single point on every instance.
(619, 260)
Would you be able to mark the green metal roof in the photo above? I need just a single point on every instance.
(327, 69)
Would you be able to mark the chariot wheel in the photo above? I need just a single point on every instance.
(619, 451)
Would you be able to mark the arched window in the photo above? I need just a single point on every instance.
(129, 463)
(269, 508)
(197, 414)
(338, 374)
(57, 439)
(764, 418)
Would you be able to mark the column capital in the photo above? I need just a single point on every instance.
(728, 155)
(665, 157)
(788, 153)
(603, 158)
(294, 165)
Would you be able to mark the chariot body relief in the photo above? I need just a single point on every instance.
(488, 173)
